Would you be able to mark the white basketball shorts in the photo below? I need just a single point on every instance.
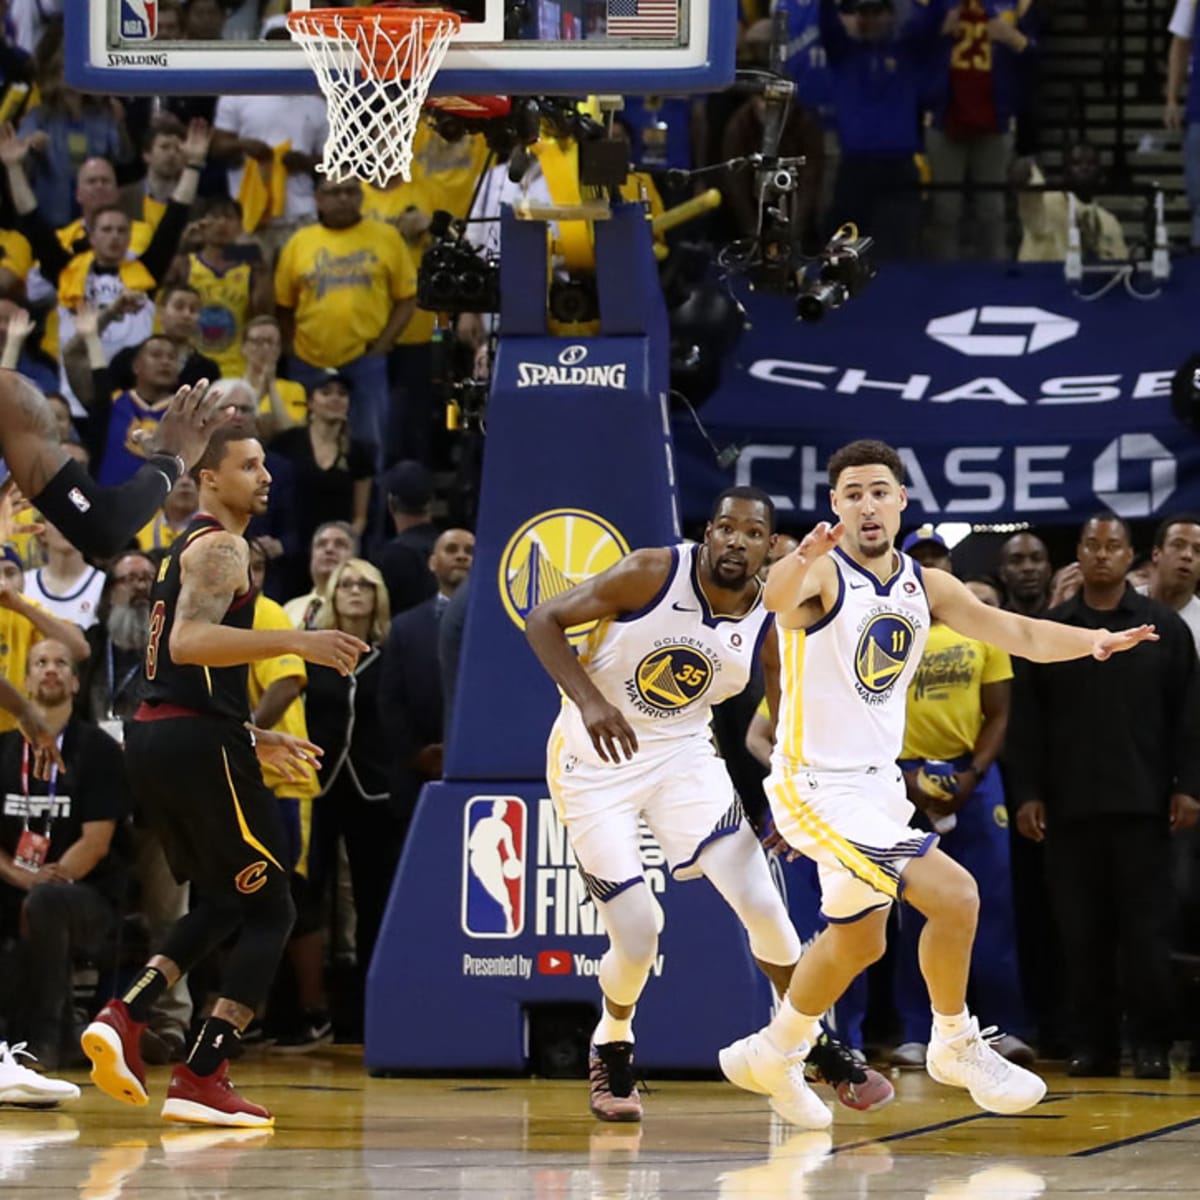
(854, 826)
(685, 798)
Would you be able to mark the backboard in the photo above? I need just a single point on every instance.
(566, 47)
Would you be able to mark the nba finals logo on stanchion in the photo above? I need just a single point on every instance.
(139, 20)
(495, 835)
(551, 553)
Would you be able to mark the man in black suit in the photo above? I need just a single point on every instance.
(410, 694)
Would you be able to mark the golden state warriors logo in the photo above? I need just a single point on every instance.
(551, 553)
(883, 649)
(671, 677)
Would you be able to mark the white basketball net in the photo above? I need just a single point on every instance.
(373, 113)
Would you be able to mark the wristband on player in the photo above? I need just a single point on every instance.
(171, 465)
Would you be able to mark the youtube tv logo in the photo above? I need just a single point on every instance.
(553, 962)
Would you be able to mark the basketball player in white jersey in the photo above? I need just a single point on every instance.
(853, 614)
(677, 630)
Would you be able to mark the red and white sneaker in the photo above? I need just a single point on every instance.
(113, 1043)
(211, 1100)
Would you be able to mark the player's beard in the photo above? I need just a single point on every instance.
(129, 626)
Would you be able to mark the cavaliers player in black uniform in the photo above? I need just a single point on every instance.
(193, 761)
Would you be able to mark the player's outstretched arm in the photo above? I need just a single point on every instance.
(99, 521)
(796, 579)
(624, 588)
(1031, 638)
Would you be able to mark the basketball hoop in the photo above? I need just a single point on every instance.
(374, 67)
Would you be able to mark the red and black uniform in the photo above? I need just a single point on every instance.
(195, 776)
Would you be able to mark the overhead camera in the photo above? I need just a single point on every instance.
(841, 270)
(455, 276)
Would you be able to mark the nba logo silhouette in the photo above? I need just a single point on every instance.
(139, 20)
(495, 830)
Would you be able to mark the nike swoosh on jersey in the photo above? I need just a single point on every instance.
(681, 608)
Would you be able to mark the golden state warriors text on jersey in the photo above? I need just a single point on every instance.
(665, 666)
(845, 678)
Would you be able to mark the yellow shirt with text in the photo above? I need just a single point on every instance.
(342, 285)
(945, 711)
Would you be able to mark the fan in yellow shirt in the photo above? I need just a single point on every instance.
(347, 285)
(345, 290)
(281, 402)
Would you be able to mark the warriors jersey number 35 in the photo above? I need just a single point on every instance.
(665, 665)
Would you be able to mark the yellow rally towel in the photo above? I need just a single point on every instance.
(72, 283)
(263, 193)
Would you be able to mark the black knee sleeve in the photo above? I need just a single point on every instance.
(254, 959)
(102, 521)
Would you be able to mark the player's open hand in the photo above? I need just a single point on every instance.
(819, 541)
(1107, 644)
(291, 756)
(46, 754)
(332, 648)
(188, 423)
(611, 734)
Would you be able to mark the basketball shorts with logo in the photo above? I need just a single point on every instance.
(198, 782)
(685, 797)
(854, 826)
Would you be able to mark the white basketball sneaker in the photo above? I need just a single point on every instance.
(21, 1086)
(970, 1062)
(753, 1063)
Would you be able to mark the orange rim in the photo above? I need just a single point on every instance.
(396, 22)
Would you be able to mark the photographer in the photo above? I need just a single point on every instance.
(877, 75)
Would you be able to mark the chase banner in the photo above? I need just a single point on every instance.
(1010, 396)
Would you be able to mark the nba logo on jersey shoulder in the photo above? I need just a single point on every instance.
(495, 840)
(139, 20)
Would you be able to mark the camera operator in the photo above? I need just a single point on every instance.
(877, 68)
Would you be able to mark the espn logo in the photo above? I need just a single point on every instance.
(553, 962)
(495, 832)
(139, 20)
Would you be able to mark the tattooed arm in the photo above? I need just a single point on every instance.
(214, 570)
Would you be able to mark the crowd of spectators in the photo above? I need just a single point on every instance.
(147, 244)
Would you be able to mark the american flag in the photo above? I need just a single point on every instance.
(643, 18)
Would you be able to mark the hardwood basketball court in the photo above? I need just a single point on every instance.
(341, 1133)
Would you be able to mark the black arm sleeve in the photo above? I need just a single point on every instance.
(47, 249)
(101, 521)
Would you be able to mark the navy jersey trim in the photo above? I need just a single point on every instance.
(882, 587)
(657, 599)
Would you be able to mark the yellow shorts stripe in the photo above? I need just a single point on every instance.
(813, 826)
(247, 836)
(554, 772)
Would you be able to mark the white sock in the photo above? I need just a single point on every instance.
(947, 1028)
(613, 1029)
(789, 1029)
